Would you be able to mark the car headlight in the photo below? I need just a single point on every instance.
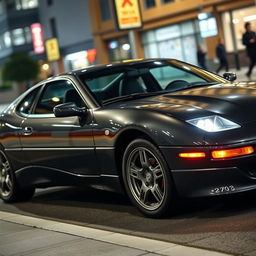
(213, 123)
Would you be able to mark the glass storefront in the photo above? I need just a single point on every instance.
(79, 60)
(239, 17)
(177, 41)
(119, 49)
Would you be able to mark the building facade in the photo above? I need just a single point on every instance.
(174, 29)
(69, 22)
(16, 18)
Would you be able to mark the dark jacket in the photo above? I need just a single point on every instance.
(201, 58)
(221, 51)
(250, 47)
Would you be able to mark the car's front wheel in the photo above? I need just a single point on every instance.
(9, 189)
(147, 178)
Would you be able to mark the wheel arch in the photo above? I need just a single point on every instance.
(123, 141)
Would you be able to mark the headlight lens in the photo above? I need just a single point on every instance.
(213, 123)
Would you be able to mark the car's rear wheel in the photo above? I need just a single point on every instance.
(147, 178)
(9, 189)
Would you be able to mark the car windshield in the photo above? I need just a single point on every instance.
(120, 82)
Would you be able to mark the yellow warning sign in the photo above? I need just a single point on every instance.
(128, 14)
(52, 49)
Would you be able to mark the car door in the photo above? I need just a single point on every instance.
(61, 144)
(10, 125)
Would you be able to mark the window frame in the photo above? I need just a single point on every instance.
(22, 114)
(33, 114)
(40, 92)
(148, 7)
(16, 37)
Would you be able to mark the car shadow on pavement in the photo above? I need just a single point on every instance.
(95, 199)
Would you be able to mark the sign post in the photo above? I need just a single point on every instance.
(128, 17)
(131, 36)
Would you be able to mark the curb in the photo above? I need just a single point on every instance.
(135, 242)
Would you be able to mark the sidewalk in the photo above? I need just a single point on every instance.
(23, 235)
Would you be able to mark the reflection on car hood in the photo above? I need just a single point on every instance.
(236, 102)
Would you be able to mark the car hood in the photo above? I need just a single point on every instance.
(236, 102)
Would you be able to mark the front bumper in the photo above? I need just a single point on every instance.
(209, 177)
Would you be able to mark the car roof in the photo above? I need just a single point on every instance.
(126, 63)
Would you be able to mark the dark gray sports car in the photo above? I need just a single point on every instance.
(156, 128)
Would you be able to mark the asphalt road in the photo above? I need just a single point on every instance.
(226, 224)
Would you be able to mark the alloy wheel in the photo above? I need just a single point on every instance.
(6, 183)
(146, 178)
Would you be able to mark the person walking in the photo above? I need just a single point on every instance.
(249, 40)
(201, 56)
(221, 55)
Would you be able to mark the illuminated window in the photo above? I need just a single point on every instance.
(149, 4)
(21, 4)
(18, 37)
(28, 4)
(7, 39)
(177, 41)
(239, 17)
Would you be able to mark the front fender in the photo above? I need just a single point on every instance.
(164, 130)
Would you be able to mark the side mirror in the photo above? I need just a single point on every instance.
(69, 109)
(230, 76)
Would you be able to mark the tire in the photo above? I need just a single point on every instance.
(147, 179)
(9, 188)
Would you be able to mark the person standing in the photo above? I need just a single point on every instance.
(201, 56)
(221, 55)
(249, 40)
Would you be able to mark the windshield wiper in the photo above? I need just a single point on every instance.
(131, 97)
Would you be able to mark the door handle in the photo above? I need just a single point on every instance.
(27, 131)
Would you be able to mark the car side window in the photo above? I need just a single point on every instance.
(25, 107)
(56, 93)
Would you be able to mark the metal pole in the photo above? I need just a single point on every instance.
(131, 36)
(233, 34)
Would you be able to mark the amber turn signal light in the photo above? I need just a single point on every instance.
(232, 152)
(192, 155)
